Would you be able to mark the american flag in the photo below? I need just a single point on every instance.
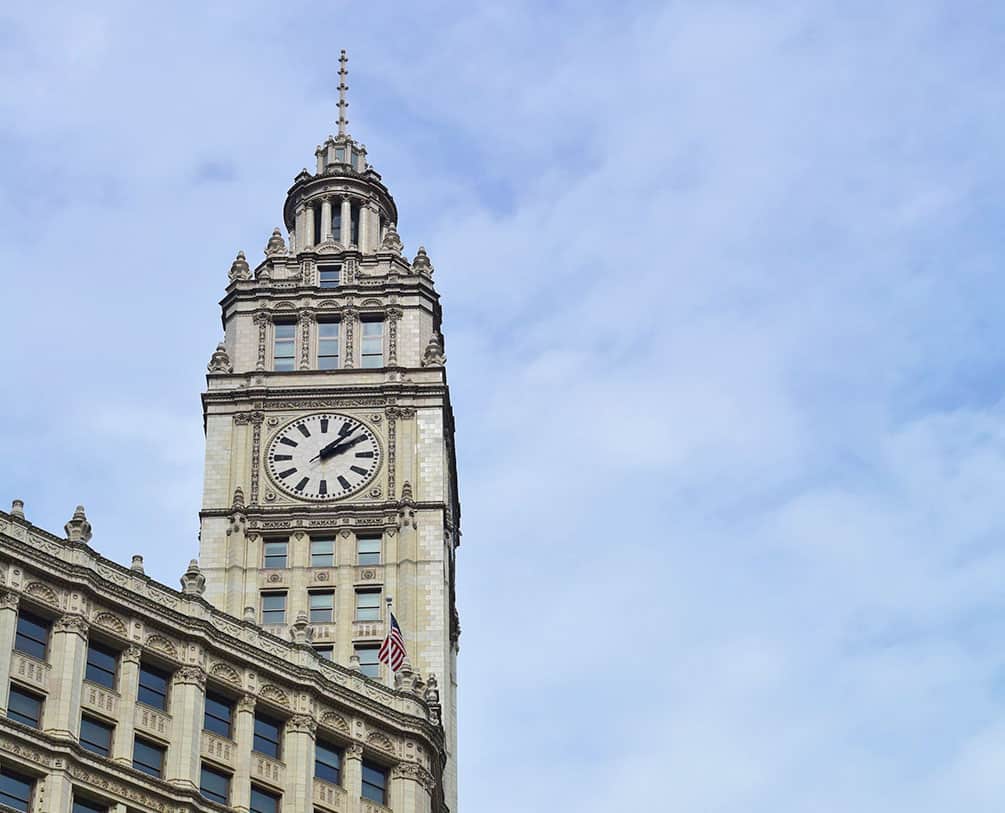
(392, 651)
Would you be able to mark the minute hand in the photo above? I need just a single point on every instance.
(327, 450)
(343, 447)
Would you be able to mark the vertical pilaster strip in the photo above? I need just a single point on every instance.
(345, 232)
(348, 328)
(411, 788)
(306, 318)
(129, 687)
(392, 440)
(298, 753)
(68, 651)
(373, 226)
(256, 453)
(57, 796)
(244, 737)
(309, 226)
(298, 226)
(353, 780)
(364, 218)
(326, 219)
(188, 696)
(8, 626)
(262, 319)
(393, 316)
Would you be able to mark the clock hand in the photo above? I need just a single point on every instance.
(342, 448)
(326, 449)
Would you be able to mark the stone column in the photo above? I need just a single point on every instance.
(68, 652)
(244, 737)
(364, 222)
(8, 626)
(346, 231)
(326, 219)
(298, 753)
(352, 779)
(411, 788)
(298, 226)
(188, 697)
(57, 795)
(372, 226)
(309, 226)
(129, 688)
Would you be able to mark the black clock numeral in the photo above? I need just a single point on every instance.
(284, 474)
(324, 426)
(323, 488)
(303, 430)
(282, 457)
(300, 486)
(346, 428)
(357, 469)
(364, 454)
(288, 442)
(343, 482)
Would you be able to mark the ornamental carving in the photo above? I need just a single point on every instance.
(306, 317)
(9, 599)
(219, 362)
(246, 702)
(193, 675)
(380, 740)
(275, 695)
(262, 319)
(393, 316)
(337, 722)
(239, 269)
(348, 325)
(416, 773)
(73, 623)
(159, 643)
(301, 724)
(225, 672)
(433, 354)
(132, 654)
(112, 623)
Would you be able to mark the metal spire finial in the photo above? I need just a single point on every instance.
(342, 88)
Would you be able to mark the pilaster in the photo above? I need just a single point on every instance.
(346, 226)
(298, 753)
(353, 777)
(68, 649)
(57, 795)
(188, 696)
(129, 686)
(8, 626)
(244, 737)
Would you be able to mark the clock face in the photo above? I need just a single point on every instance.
(323, 457)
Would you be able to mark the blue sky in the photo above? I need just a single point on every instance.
(722, 298)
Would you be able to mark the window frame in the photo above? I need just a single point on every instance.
(268, 720)
(365, 665)
(19, 634)
(330, 609)
(147, 669)
(223, 700)
(27, 779)
(212, 769)
(291, 340)
(330, 540)
(336, 339)
(370, 319)
(360, 554)
(324, 651)
(285, 555)
(376, 767)
(39, 699)
(331, 268)
(101, 724)
(102, 649)
(155, 747)
(368, 591)
(277, 799)
(338, 751)
(88, 806)
(272, 594)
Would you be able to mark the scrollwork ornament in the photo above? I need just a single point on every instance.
(73, 623)
(306, 318)
(246, 702)
(262, 319)
(9, 600)
(192, 675)
(132, 654)
(302, 724)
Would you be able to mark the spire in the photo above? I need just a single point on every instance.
(342, 88)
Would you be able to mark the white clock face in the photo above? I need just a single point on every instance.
(323, 457)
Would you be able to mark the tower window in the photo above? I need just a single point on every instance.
(368, 550)
(317, 223)
(372, 354)
(25, 707)
(16, 790)
(374, 782)
(368, 663)
(327, 345)
(95, 736)
(323, 552)
(283, 346)
(268, 733)
(273, 608)
(148, 757)
(214, 785)
(329, 276)
(337, 222)
(322, 606)
(218, 715)
(354, 224)
(275, 555)
(32, 636)
(328, 762)
(102, 664)
(368, 605)
(263, 802)
(153, 686)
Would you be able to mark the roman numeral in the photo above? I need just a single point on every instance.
(287, 473)
(300, 486)
(323, 488)
(343, 482)
(357, 469)
(324, 426)
(303, 430)
(288, 442)
(284, 457)
(364, 454)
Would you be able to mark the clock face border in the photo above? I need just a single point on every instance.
(271, 466)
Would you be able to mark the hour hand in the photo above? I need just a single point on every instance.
(326, 450)
(338, 449)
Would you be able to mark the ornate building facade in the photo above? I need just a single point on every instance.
(330, 498)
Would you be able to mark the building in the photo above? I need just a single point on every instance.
(330, 491)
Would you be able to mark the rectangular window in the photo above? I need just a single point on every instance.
(214, 785)
(87, 806)
(326, 651)
(267, 736)
(372, 354)
(374, 782)
(148, 757)
(95, 736)
(262, 801)
(16, 790)
(328, 762)
(102, 664)
(275, 555)
(368, 550)
(322, 606)
(354, 224)
(327, 345)
(153, 686)
(329, 276)
(219, 714)
(368, 605)
(283, 345)
(323, 552)
(273, 608)
(32, 636)
(337, 222)
(368, 663)
(25, 707)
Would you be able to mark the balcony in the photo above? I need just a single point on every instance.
(329, 796)
(30, 670)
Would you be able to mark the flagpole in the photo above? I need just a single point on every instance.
(390, 669)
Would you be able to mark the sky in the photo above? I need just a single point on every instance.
(722, 292)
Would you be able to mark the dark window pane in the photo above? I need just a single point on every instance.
(219, 714)
(214, 785)
(326, 651)
(374, 782)
(328, 762)
(15, 790)
(263, 802)
(95, 736)
(32, 636)
(267, 733)
(148, 757)
(84, 806)
(153, 687)
(24, 707)
(101, 664)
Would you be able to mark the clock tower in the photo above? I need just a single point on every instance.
(330, 488)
